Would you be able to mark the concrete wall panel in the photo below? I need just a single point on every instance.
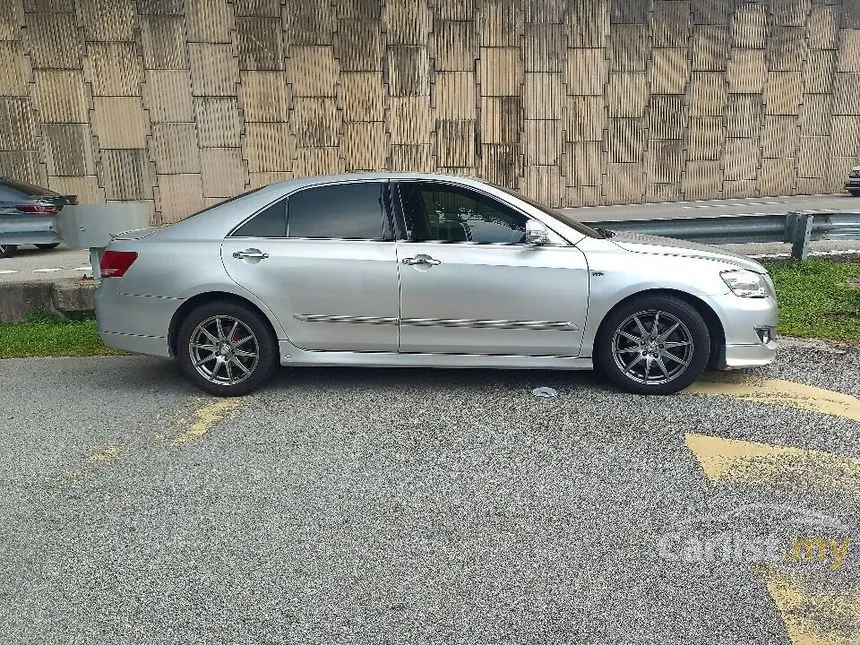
(574, 101)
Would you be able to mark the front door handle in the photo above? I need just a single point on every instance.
(250, 254)
(421, 258)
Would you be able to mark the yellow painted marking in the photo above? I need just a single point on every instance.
(108, 453)
(736, 461)
(205, 417)
(814, 617)
(779, 392)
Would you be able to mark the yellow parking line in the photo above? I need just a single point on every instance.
(736, 461)
(205, 417)
(779, 392)
(814, 617)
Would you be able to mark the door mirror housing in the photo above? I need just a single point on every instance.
(536, 233)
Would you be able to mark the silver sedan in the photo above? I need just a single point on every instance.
(415, 270)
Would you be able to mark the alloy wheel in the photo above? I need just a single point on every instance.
(224, 350)
(652, 347)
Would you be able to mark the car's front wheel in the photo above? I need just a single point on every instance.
(226, 349)
(8, 250)
(654, 344)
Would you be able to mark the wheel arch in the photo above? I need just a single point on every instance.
(211, 296)
(712, 320)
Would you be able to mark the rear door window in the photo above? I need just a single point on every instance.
(343, 211)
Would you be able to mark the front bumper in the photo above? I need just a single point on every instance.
(737, 356)
(743, 320)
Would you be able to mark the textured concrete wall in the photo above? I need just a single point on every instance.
(184, 102)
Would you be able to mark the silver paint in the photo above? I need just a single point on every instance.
(354, 302)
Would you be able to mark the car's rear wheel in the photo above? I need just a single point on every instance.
(8, 250)
(46, 247)
(854, 192)
(654, 344)
(226, 349)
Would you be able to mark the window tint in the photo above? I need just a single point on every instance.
(272, 222)
(453, 214)
(348, 211)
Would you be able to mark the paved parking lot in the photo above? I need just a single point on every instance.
(403, 506)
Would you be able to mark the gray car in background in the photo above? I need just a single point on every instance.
(28, 215)
(419, 270)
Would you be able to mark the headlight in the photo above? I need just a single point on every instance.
(746, 284)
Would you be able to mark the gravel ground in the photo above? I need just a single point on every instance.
(374, 506)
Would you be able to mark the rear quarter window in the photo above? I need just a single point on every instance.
(270, 222)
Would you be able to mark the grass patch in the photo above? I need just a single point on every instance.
(816, 300)
(48, 335)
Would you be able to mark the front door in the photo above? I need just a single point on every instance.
(470, 285)
(325, 263)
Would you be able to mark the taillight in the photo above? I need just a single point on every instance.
(114, 264)
(38, 209)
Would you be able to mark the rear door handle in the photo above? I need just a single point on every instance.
(250, 254)
(421, 258)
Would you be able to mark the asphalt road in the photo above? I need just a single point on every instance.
(34, 265)
(421, 506)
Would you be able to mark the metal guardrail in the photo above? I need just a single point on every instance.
(796, 228)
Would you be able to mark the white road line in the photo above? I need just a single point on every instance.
(86, 268)
(8, 271)
(45, 270)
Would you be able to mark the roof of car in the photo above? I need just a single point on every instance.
(302, 182)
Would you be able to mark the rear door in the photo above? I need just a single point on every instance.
(324, 261)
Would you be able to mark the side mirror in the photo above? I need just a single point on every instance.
(536, 233)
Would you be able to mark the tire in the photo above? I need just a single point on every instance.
(854, 192)
(46, 247)
(244, 362)
(630, 355)
(8, 250)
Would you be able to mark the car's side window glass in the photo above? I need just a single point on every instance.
(342, 211)
(438, 212)
(270, 222)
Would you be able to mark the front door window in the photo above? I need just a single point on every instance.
(437, 212)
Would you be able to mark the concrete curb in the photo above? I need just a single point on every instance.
(70, 299)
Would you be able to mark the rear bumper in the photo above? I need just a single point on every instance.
(29, 229)
(150, 345)
(132, 323)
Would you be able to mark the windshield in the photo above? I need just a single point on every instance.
(561, 217)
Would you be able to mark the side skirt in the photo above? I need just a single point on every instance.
(291, 355)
